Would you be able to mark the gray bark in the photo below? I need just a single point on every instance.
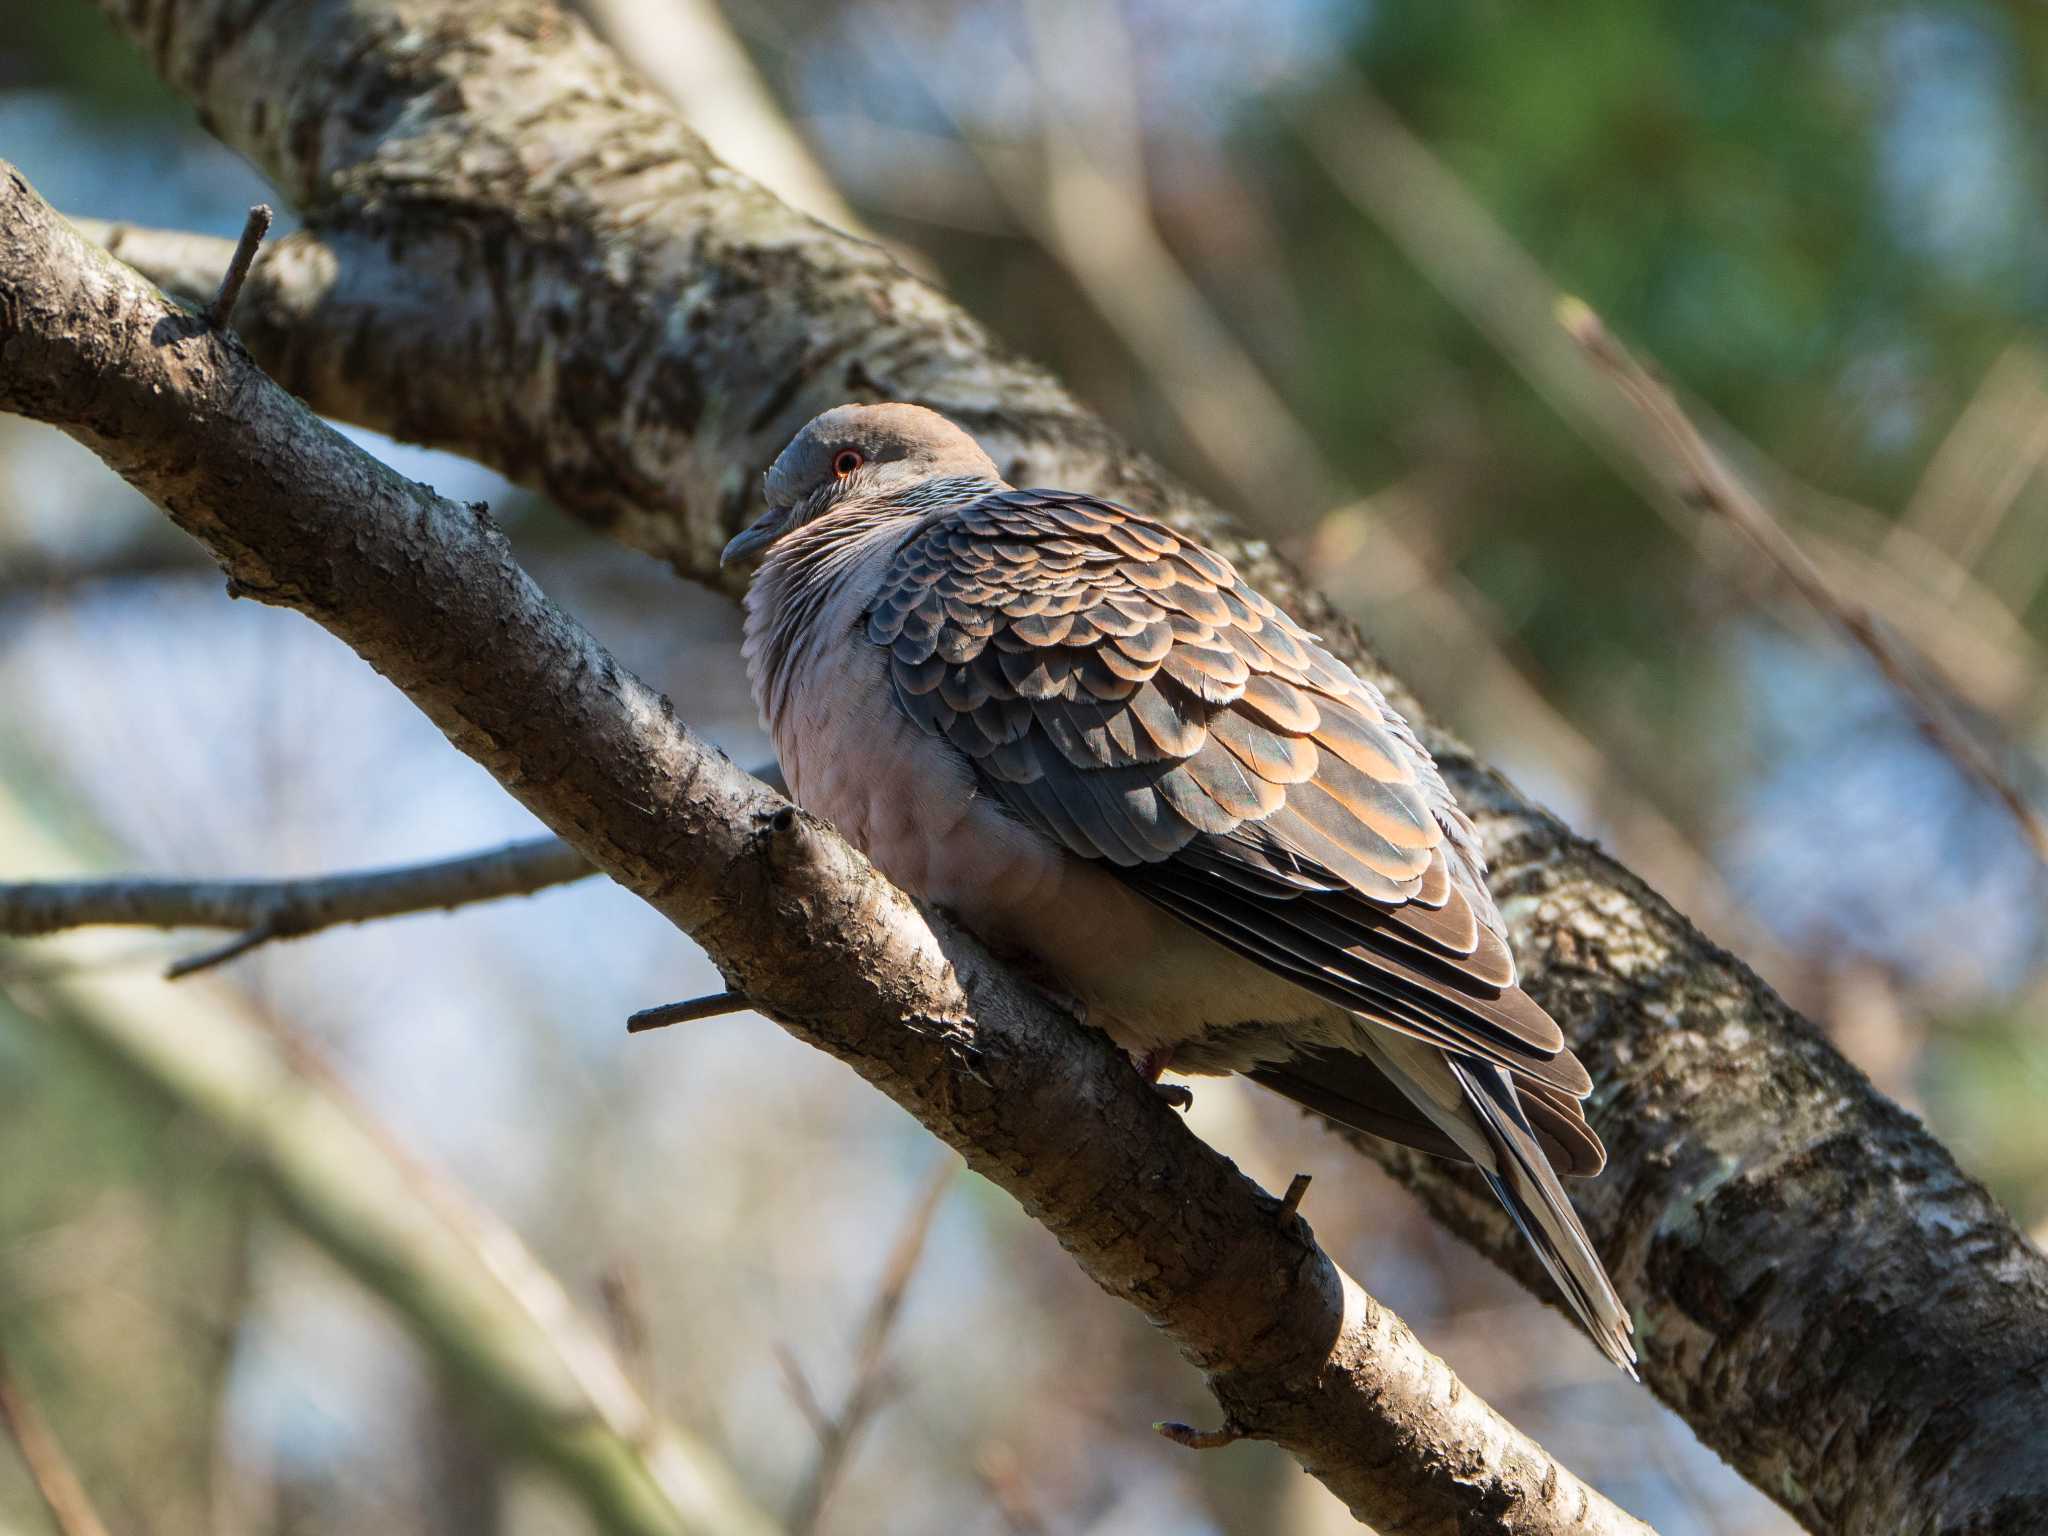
(427, 592)
(517, 251)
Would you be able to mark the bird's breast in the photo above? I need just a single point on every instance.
(907, 800)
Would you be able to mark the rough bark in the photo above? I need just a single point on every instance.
(516, 251)
(427, 592)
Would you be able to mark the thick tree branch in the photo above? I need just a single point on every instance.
(427, 592)
(689, 50)
(181, 264)
(518, 252)
(277, 909)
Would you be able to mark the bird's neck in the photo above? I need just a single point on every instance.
(807, 593)
(814, 583)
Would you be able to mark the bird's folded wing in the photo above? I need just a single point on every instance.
(1124, 691)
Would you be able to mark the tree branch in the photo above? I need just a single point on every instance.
(185, 264)
(427, 592)
(519, 253)
(279, 909)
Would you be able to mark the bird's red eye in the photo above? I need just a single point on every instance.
(846, 461)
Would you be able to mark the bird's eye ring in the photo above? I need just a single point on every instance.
(846, 461)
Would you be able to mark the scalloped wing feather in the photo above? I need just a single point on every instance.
(1126, 692)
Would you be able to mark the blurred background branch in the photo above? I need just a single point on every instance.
(1453, 241)
(48, 1467)
(1700, 476)
(467, 1287)
(838, 1431)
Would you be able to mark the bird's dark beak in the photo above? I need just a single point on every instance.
(750, 543)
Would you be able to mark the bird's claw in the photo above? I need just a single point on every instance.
(1156, 1061)
(1177, 1095)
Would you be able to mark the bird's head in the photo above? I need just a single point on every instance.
(878, 456)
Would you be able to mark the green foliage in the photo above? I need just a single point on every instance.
(72, 46)
(1725, 184)
(1985, 1085)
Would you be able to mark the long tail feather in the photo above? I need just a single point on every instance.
(1529, 1188)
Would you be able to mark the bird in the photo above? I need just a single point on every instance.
(1117, 763)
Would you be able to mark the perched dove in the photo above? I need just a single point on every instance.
(1121, 766)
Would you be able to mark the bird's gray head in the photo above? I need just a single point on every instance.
(872, 456)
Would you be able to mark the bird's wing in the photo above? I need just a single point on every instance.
(1126, 692)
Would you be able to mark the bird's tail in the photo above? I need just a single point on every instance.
(1527, 1185)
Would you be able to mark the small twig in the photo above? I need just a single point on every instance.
(1199, 1439)
(253, 231)
(1290, 1202)
(263, 910)
(221, 954)
(686, 1012)
(871, 1382)
(1715, 487)
(48, 1467)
